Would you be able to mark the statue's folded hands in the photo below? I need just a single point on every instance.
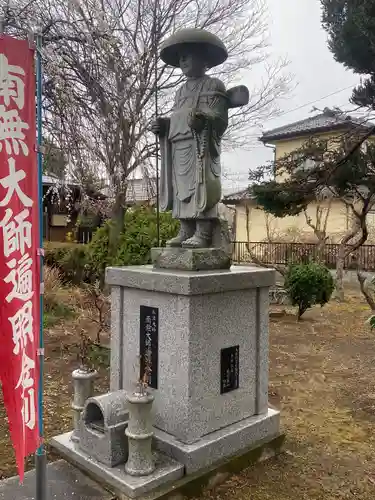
(197, 120)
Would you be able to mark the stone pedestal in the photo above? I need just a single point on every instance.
(190, 259)
(200, 341)
(205, 336)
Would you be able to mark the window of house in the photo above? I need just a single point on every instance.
(305, 164)
(317, 152)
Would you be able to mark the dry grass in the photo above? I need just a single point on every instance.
(62, 354)
(322, 378)
(53, 287)
(66, 315)
(55, 292)
(59, 301)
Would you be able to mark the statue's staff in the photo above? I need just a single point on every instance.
(155, 43)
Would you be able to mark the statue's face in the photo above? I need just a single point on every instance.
(192, 63)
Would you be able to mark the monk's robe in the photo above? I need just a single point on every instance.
(190, 183)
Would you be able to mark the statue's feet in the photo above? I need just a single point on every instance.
(196, 241)
(177, 241)
(202, 237)
(186, 231)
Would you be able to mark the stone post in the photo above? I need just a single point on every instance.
(83, 386)
(139, 432)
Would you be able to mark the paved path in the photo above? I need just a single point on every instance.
(64, 483)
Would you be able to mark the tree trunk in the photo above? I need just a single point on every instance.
(281, 270)
(320, 230)
(301, 310)
(369, 298)
(320, 250)
(117, 226)
(340, 274)
(344, 252)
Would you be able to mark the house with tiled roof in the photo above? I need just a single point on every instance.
(325, 123)
(253, 224)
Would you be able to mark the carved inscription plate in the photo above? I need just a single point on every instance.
(149, 345)
(229, 369)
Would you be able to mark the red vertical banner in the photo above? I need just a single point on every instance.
(19, 242)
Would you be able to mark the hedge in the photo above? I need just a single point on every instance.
(86, 263)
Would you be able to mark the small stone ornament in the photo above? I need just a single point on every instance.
(83, 389)
(102, 428)
(139, 433)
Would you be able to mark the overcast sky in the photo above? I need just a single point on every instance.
(296, 33)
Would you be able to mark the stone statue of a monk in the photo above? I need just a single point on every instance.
(190, 140)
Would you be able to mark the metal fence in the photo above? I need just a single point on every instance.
(85, 234)
(286, 253)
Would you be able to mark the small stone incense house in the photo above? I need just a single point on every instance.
(253, 224)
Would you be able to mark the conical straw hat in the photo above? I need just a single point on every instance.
(213, 48)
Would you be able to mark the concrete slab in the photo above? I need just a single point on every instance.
(196, 484)
(147, 278)
(167, 470)
(63, 482)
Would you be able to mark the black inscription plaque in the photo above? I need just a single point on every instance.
(149, 345)
(229, 369)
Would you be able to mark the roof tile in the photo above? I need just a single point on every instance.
(326, 120)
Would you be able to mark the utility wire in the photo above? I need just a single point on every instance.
(313, 102)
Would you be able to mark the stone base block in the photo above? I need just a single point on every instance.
(190, 259)
(235, 448)
(222, 444)
(115, 478)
